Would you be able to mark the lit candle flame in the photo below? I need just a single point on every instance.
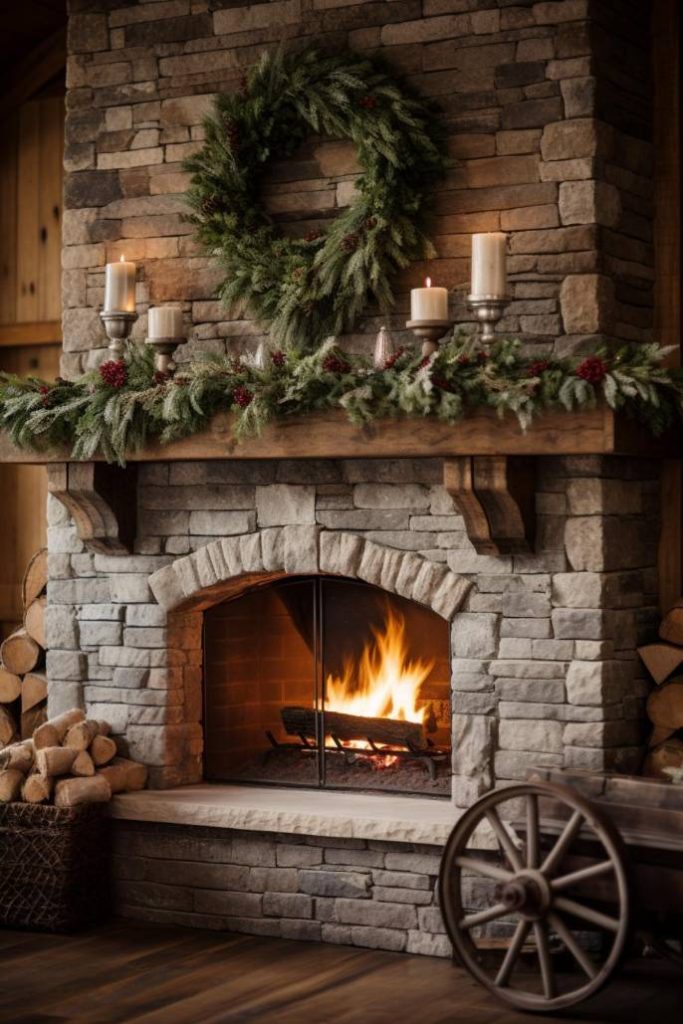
(121, 258)
(428, 282)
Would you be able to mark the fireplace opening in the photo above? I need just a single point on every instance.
(321, 681)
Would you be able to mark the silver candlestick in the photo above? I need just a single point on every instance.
(488, 312)
(118, 324)
(430, 331)
(163, 352)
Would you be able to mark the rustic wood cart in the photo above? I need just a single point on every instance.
(544, 884)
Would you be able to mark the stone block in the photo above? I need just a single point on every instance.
(351, 884)
(390, 496)
(589, 202)
(579, 96)
(420, 863)
(426, 944)
(287, 904)
(93, 634)
(129, 588)
(595, 682)
(87, 33)
(356, 858)
(415, 897)
(291, 855)
(242, 904)
(62, 696)
(532, 690)
(578, 624)
(281, 504)
(401, 879)
(474, 635)
(221, 524)
(66, 665)
(564, 140)
(61, 627)
(301, 549)
(375, 914)
(535, 735)
(578, 589)
(431, 920)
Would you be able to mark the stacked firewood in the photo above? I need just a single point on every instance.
(69, 760)
(23, 686)
(665, 704)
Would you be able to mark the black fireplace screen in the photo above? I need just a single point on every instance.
(321, 681)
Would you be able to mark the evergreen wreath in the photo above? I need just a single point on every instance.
(305, 289)
(118, 408)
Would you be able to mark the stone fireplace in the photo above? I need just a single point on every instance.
(259, 592)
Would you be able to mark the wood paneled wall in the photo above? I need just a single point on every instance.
(30, 211)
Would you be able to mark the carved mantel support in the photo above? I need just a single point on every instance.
(102, 500)
(495, 495)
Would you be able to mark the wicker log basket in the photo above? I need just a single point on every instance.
(54, 872)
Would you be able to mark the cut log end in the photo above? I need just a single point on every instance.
(71, 792)
(20, 653)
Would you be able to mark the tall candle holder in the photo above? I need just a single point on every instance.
(118, 323)
(430, 332)
(488, 311)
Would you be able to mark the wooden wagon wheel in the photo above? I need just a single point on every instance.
(551, 890)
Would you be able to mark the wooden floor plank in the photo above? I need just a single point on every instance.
(128, 973)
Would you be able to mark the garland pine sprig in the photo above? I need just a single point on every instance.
(305, 289)
(120, 407)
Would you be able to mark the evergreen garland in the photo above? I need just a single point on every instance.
(305, 289)
(118, 408)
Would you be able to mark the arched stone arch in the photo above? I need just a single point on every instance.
(227, 566)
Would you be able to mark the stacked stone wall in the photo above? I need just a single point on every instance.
(534, 99)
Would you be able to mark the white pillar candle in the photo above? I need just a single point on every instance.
(119, 287)
(429, 303)
(489, 276)
(165, 322)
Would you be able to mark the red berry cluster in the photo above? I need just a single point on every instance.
(45, 392)
(464, 360)
(236, 365)
(160, 377)
(333, 364)
(441, 383)
(313, 236)
(114, 373)
(482, 357)
(349, 242)
(592, 369)
(538, 367)
(278, 359)
(393, 359)
(367, 102)
(369, 223)
(424, 362)
(242, 396)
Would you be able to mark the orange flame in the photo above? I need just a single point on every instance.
(384, 683)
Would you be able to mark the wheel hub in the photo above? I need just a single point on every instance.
(527, 894)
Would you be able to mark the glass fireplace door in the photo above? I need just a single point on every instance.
(321, 681)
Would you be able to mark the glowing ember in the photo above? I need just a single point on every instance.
(384, 683)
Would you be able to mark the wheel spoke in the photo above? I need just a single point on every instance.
(593, 871)
(545, 960)
(564, 841)
(610, 924)
(513, 951)
(504, 839)
(483, 916)
(484, 868)
(532, 831)
(582, 958)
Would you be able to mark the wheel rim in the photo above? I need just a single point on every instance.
(542, 887)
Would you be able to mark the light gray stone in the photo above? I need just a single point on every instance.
(130, 588)
(301, 549)
(375, 914)
(93, 634)
(221, 524)
(285, 504)
(391, 496)
(534, 735)
(474, 635)
(62, 696)
(66, 665)
(578, 589)
(426, 944)
(61, 626)
(352, 884)
(472, 743)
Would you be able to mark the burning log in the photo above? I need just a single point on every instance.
(299, 721)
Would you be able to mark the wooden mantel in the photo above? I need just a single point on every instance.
(489, 464)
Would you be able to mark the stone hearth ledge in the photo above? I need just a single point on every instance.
(309, 812)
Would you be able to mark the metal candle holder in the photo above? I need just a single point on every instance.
(118, 323)
(430, 331)
(488, 312)
(163, 352)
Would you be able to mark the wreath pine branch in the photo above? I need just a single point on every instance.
(306, 289)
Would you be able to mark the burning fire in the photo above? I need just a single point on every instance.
(384, 683)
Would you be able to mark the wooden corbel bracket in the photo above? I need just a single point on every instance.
(102, 500)
(495, 495)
